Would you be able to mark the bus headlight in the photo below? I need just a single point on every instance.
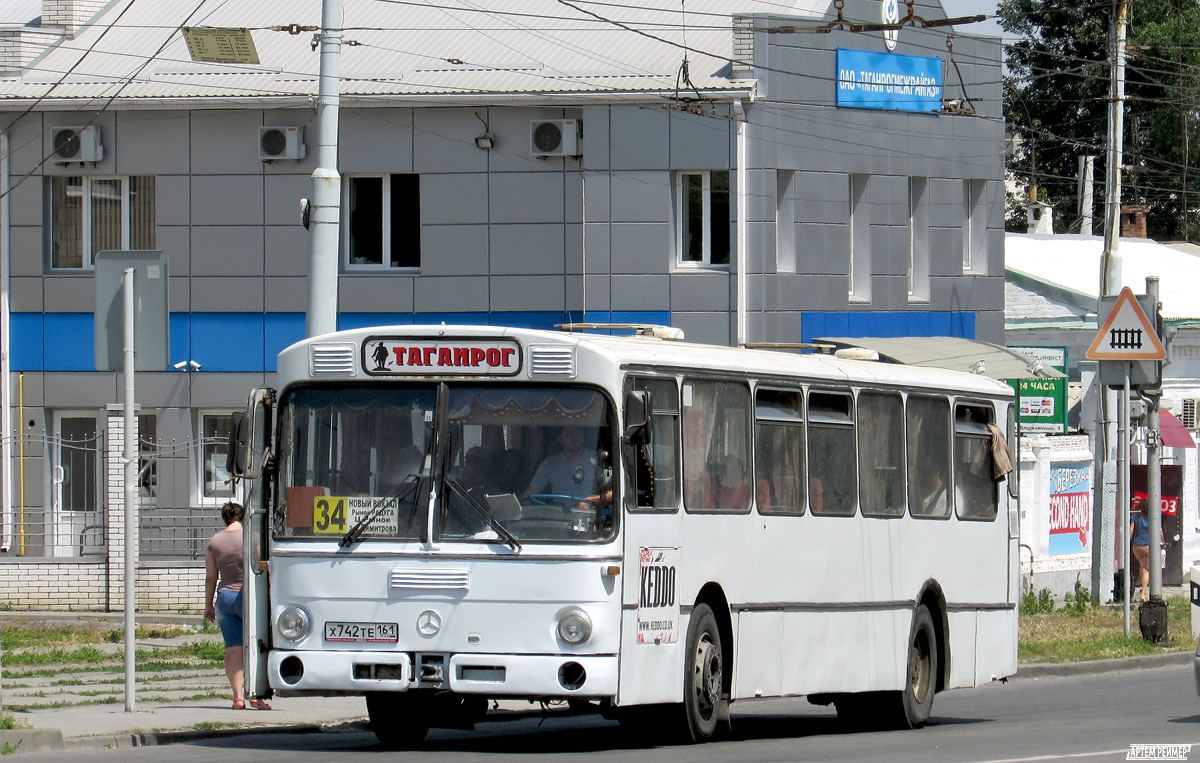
(293, 623)
(574, 627)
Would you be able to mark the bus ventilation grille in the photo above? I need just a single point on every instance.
(552, 360)
(440, 580)
(333, 359)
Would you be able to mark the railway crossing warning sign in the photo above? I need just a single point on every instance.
(1127, 334)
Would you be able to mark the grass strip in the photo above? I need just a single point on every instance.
(1078, 633)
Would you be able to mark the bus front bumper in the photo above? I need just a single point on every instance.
(551, 675)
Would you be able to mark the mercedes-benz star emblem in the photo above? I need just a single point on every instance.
(429, 622)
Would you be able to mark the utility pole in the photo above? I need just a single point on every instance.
(325, 208)
(1110, 282)
(1110, 276)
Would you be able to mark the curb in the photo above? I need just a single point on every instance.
(1091, 667)
(160, 738)
(30, 740)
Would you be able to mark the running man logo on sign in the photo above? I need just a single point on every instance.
(658, 604)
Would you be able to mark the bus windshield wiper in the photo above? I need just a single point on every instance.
(354, 533)
(509, 539)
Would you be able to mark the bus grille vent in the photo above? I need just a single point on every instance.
(551, 360)
(436, 580)
(333, 359)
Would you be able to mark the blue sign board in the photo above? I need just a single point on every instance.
(868, 80)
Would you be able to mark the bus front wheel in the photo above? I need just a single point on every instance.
(704, 675)
(400, 720)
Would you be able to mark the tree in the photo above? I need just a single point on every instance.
(1056, 99)
(1055, 95)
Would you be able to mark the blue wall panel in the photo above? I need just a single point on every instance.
(70, 342)
(364, 320)
(281, 330)
(181, 337)
(250, 342)
(228, 341)
(887, 324)
(25, 349)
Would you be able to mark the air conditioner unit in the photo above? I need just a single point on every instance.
(555, 137)
(280, 143)
(76, 144)
(1190, 417)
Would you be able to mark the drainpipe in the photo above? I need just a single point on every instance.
(743, 226)
(6, 428)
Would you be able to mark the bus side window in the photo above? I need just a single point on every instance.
(928, 441)
(833, 475)
(716, 446)
(652, 467)
(881, 454)
(977, 495)
(779, 451)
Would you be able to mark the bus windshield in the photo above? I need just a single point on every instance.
(512, 464)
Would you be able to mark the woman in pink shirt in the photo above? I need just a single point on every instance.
(223, 560)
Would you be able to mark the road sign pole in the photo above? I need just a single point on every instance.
(1123, 495)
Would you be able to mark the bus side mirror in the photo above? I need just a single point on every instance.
(637, 415)
(239, 445)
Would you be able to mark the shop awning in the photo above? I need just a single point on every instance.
(1172, 433)
(951, 352)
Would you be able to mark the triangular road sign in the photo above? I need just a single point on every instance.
(1127, 334)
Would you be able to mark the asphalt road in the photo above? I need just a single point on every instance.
(1081, 718)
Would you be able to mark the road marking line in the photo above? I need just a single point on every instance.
(1124, 749)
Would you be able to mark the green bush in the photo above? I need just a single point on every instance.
(1079, 601)
(1038, 603)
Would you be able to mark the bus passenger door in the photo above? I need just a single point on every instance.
(651, 667)
(251, 448)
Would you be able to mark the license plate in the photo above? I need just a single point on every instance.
(362, 632)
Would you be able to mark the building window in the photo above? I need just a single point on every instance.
(95, 214)
(860, 238)
(77, 523)
(785, 221)
(704, 217)
(974, 227)
(918, 239)
(383, 229)
(147, 448)
(213, 449)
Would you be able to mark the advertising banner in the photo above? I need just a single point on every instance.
(1042, 403)
(869, 80)
(658, 606)
(1070, 507)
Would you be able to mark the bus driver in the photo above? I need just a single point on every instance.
(573, 472)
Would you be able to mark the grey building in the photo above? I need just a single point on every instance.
(742, 173)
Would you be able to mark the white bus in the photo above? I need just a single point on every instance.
(451, 515)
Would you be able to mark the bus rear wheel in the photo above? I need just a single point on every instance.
(913, 705)
(703, 676)
(400, 720)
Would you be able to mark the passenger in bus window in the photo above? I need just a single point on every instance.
(816, 495)
(396, 466)
(476, 473)
(509, 471)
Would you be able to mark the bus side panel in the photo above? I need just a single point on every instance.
(994, 655)
(832, 651)
(759, 644)
(962, 649)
